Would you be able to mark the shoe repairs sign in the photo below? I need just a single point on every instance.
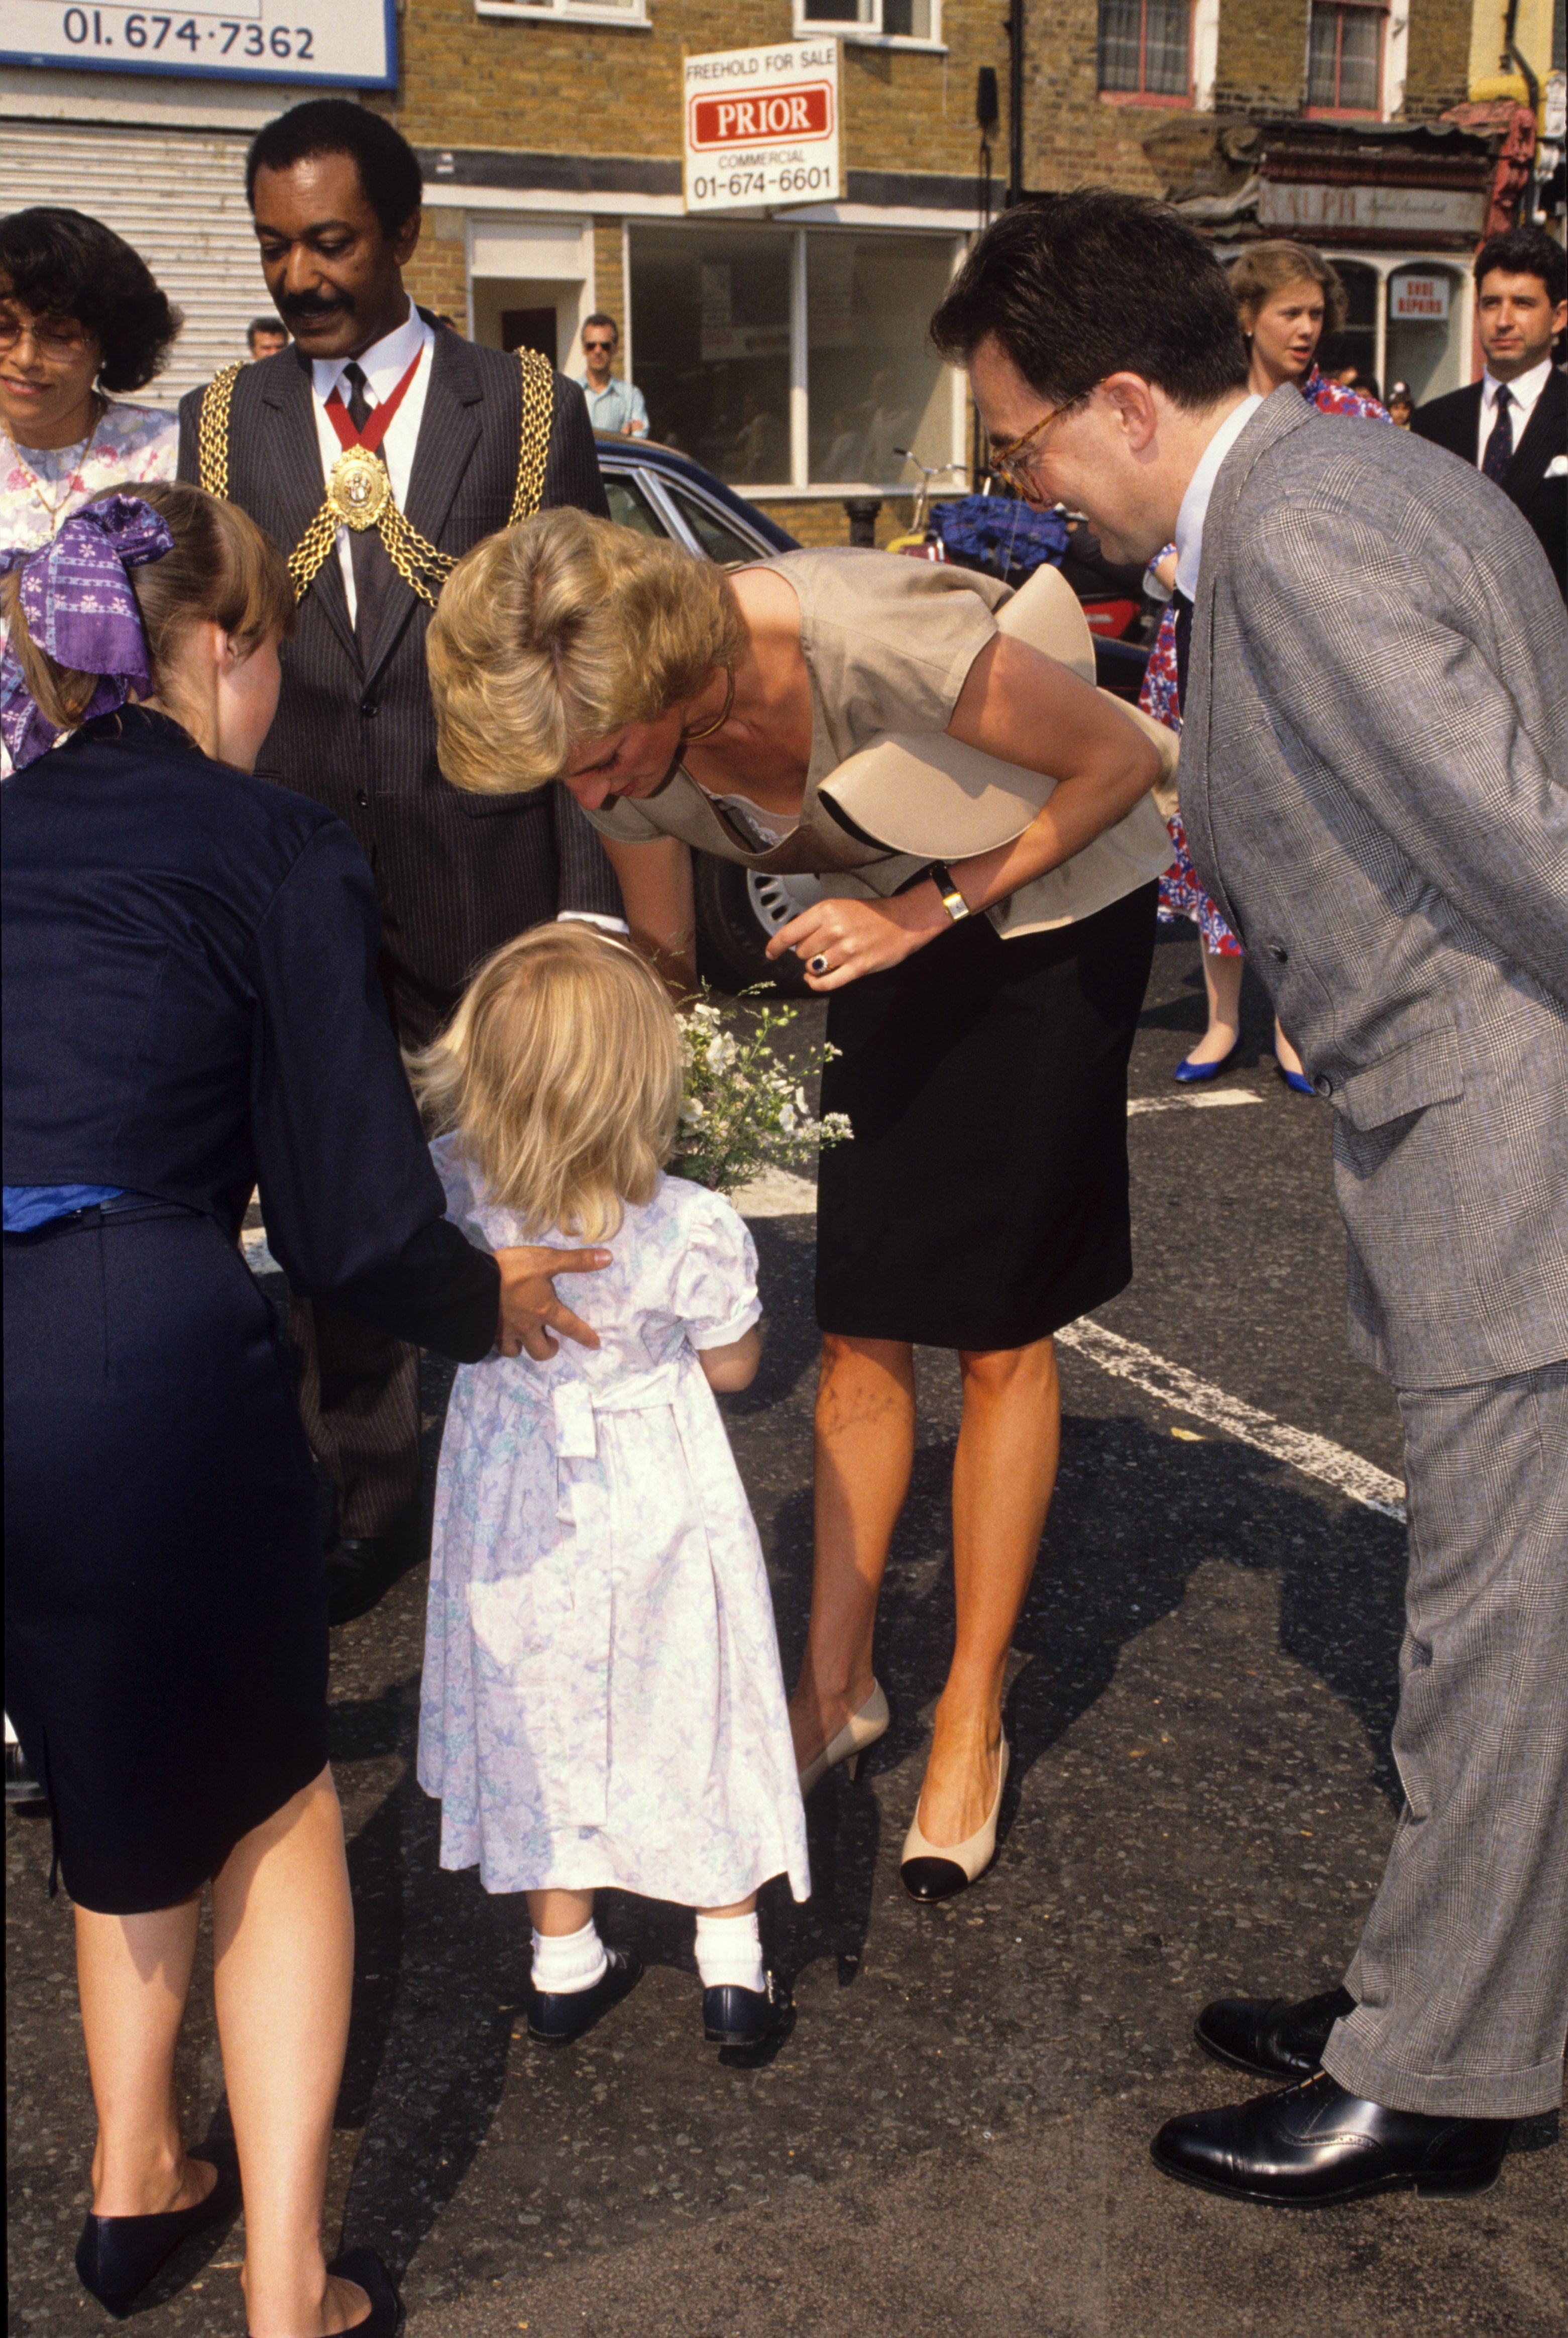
(763, 127)
(350, 43)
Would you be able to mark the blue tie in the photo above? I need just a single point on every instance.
(1500, 446)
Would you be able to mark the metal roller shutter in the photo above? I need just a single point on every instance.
(178, 198)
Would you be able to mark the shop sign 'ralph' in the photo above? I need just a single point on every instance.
(763, 127)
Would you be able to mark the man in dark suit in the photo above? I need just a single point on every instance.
(1514, 422)
(377, 410)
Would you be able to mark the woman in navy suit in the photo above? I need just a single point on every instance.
(194, 1010)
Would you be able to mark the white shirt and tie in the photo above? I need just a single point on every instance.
(1523, 395)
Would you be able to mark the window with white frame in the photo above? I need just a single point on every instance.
(794, 357)
(587, 12)
(872, 20)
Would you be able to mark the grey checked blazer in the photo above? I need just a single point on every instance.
(457, 874)
(1375, 789)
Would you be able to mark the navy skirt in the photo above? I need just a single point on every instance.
(983, 1202)
(165, 1592)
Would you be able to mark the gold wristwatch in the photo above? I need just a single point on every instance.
(952, 900)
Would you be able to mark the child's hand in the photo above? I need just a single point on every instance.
(529, 1305)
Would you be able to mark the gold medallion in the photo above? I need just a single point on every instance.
(358, 488)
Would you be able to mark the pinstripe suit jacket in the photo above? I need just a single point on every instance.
(457, 874)
(1375, 788)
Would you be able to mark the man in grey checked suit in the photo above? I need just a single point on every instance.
(1375, 787)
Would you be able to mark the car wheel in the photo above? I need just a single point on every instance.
(739, 912)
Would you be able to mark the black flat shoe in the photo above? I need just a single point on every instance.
(117, 2256)
(1314, 2146)
(746, 2017)
(385, 2318)
(359, 1570)
(1269, 2035)
(557, 2017)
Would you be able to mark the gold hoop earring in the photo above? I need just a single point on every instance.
(709, 728)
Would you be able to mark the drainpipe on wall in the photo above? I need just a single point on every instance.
(1015, 100)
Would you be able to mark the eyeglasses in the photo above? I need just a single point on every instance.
(56, 344)
(1014, 460)
(593, 346)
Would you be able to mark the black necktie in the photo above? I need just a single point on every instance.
(1500, 446)
(372, 567)
(1184, 608)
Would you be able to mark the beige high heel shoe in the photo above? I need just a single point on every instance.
(862, 1729)
(931, 1871)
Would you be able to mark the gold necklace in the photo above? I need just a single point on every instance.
(53, 509)
(709, 728)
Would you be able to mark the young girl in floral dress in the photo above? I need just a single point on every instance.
(602, 1704)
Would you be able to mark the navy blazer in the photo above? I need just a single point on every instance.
(193, 1008)
(458, 874)
(1454, 422)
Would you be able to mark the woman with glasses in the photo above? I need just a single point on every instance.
(80, 321)
(981, 1014)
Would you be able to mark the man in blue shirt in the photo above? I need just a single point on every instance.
(611, 404)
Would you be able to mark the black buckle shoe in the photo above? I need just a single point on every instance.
(1316, 2146)
(558, 2017)
(117, 2256)
(745, 2016)
(1269, 2035)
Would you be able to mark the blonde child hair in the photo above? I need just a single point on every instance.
(560, 1074)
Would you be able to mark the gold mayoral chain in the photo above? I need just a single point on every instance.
(360, 492)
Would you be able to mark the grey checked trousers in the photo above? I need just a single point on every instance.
(1461, 1977)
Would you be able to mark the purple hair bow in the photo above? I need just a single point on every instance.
(78, 599)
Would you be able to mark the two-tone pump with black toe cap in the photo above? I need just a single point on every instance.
(117, 2256)
(931, 1871)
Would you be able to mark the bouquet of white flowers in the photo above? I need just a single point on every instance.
(744, 1110)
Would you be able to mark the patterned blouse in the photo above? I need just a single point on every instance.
(1181, 894)
(39, 490)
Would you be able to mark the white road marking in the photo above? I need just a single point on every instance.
(1317, 1457)
(1205, 1100)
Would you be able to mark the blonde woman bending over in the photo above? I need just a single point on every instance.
(603, 1705)
(982, 1023)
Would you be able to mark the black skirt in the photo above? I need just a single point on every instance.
(165, 1596)
(983, 1203)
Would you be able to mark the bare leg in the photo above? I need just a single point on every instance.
(283, 1930)
(865, 1452)
(1222, 987)
(556, 1913)
(1285, 1055)
(1002, 1476)
(741, 1907)
(133, 1976)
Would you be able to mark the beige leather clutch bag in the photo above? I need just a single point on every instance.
(929, 795)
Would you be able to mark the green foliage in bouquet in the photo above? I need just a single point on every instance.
(744, 1110)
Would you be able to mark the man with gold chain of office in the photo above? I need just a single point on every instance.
(375, 450)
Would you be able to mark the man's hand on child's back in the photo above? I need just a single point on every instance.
(530, 1310)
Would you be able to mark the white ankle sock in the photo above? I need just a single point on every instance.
(565, 1962)
(730, 1951)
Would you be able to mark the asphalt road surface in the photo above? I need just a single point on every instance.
(954, 2140)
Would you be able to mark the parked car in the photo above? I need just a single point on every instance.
(663, 493)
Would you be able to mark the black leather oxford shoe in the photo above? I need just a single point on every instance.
(557, 2017)
(117, 2256)
(1314, 2146)
(1269, 2035)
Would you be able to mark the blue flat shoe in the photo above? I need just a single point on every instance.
(1188, 1072)
(1296, 1080)
(559, 2018)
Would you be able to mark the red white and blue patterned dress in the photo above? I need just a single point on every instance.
(1181, 894)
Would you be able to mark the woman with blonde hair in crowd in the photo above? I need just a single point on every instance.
(192, 1009)
(1289, 297)
(980, 1060)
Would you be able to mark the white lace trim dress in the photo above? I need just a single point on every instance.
(602, 1703)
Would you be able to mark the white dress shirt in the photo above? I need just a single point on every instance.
(1194, 508)
(383, 365)
(1523, 395)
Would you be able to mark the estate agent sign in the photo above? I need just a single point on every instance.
(761, 125)
(346, 43)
